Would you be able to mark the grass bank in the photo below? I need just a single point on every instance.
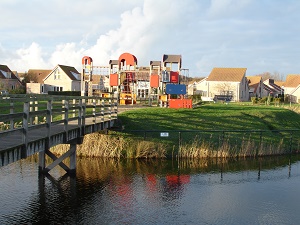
(213, 130)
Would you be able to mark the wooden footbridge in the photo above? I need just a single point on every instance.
(34, 124)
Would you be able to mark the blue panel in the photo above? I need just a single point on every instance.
(176, 89)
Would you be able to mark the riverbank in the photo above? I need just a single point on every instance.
(213, 130)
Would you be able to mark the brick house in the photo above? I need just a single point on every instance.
(8, 80)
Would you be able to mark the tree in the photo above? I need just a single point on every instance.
(29, 78)
(276, 76)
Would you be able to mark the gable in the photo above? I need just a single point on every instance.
(61, 70)
(227, 74)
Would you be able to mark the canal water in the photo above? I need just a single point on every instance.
(252, 191)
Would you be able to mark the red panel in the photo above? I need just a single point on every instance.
(113, 80)
(180, 103)
(154, 81)
(174, 77)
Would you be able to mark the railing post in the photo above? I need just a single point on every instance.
(36, 108)
(25, 125)
(80, 116)
(11, 111)
(83, 116)
(102, 110)
(66, 117)
(94, 110)
(109, 108)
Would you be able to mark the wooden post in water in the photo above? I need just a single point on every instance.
(42, 153)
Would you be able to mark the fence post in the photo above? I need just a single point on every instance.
(66, 117)
(11, 111)
(94, 110)
(25, 127)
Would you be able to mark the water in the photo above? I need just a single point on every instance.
(262, 191)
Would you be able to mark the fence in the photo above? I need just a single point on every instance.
(225, 143)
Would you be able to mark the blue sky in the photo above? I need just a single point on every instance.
(260, 35)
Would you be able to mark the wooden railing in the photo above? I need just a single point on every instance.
(26, 113)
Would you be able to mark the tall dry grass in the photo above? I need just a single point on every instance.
(200, 148)
(108, 146)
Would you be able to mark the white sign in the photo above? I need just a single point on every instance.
(164, 134)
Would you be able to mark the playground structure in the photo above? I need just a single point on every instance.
(162, 80)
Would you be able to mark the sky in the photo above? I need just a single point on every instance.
(260, 35)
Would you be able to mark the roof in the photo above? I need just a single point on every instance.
(292, 80)
(254, 79)
(3, 70)
(113, 62)
(39, 74)
(155, 63)
(68, 70)
(227, 74)
(172, 58)
(279, 83)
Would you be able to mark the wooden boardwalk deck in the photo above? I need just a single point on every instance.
(46, 123)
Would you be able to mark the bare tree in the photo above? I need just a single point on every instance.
(276, 76)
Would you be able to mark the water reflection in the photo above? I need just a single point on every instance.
(255, 191)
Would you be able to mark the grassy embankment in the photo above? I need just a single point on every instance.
(215, 130)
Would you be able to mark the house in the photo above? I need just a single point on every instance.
(256, 86)
(61, 78)
(8, 80)
(228, 84)
(198, 87)
(34, 79)
(271, 88)
(291, 87)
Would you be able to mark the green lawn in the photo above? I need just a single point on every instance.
(233, 124)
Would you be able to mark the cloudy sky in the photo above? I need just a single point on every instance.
(260, 35)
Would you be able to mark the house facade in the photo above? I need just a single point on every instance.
(291, 87)
(228, 84)
(8, 80)
(256, 86)
(61, 78)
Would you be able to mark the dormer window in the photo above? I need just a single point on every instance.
(6, 74)
(76, 75)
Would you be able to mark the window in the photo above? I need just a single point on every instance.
(57, 74)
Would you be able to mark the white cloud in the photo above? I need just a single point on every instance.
(208, 33)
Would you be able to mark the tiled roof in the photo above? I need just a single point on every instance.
(254, 79)
(279, 83)
(292, 80)
(40, 74)
(227, 74)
